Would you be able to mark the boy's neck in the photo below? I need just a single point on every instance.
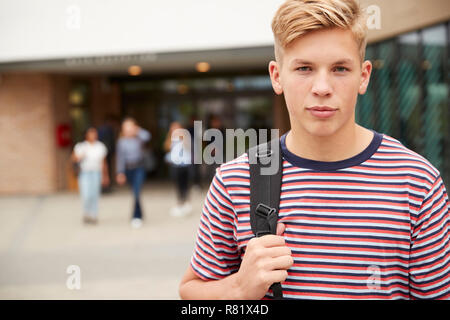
(342, 145)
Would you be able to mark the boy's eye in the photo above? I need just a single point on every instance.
(340, 69)
(304, 68)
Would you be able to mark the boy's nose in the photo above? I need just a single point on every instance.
(321, 86)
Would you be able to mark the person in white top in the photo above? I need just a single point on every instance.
(179, 158)
(90, 155)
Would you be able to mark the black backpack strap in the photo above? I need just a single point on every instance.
(265, 190)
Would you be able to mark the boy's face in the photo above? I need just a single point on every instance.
(321, 75)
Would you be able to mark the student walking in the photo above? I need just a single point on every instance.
(360, 215)
(130, 163)
(90, 156)
(178, 156)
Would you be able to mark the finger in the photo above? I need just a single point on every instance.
(277, 276)
(271, 240)
(275, 252)
(280, 228)
(281, 263)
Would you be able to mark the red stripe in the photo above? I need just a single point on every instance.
(346, 238)
(347, 221)
(368, 193)
(345, 296)
(333, 248)
(313, 283)
(344, 276)
(359, 184)
(361, 175)
(246, 225)
(437, 290)
(339, 256)
(350, 267)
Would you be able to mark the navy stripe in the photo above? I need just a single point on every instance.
(343, 246)
(340, 208)
(342, 217)
(331, 166)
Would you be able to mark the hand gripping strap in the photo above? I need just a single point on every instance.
(265, 194)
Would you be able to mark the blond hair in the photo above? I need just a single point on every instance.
(295, 18)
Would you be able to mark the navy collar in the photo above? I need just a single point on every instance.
(333, 165)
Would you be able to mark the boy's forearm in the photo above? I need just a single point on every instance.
(224, 289)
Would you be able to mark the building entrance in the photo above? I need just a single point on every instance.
(222, 102)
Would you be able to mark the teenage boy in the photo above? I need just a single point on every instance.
(361, 216)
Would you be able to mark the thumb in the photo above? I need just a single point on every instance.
(280, 228)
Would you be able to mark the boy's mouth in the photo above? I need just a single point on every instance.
(322, 112)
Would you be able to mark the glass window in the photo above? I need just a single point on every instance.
(408, 94)
(436, 92)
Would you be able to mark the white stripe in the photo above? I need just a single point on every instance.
(366, 179)
(312, 297)
(389, 282)
(354, 223)
(381, 197)
(363, 270)
(216, 244)
(359, 252)
(349, 263)
(331, 290)
(325, 206)
(344, 242)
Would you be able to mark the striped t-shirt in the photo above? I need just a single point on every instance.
(375, 226)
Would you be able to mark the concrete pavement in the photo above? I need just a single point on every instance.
(41, 236)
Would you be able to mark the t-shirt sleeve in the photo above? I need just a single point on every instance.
(104, 150)
(79, 150)
(429, 265)
(216, 253)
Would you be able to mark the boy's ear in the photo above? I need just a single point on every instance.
(274, 71)
(366, 71)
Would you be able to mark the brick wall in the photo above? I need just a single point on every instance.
(27, 161)
(31, 106)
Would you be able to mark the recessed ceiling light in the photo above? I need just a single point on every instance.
(134, 70)
(202, 66)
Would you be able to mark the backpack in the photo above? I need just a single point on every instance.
(265, 193)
